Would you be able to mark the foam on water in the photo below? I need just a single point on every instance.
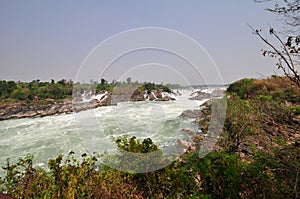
(92, 130)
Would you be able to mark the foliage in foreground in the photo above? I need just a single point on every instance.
(271, 169)
(218, 175)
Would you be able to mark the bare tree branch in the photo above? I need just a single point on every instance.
(288, 53)
(288, 67)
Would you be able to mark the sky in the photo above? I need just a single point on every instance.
(53, 39)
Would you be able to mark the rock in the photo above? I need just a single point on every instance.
(178, 93)
(190, 146)
(186, 145)
(218, 93)
(194, 114)
(4, 196)
(106, 101)
(167, 96)
(187, 131)
(22, 109)
(198, 139)
(30, 114)
(152, 96)
(207, 104)
(158, 94)
(200, 95)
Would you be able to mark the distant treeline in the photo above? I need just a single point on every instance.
(35, 89)
(62, 89)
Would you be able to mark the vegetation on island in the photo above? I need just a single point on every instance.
(29, 91)
(40, 99)
(37, 91)
(257, 156)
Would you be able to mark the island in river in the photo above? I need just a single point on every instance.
(39, 99)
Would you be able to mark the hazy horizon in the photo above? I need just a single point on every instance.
(51, 39)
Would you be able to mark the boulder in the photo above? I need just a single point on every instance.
(193, 114)
(152, 96)
(218, 93)
(199, 95)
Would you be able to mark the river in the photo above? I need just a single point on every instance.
(93, 130)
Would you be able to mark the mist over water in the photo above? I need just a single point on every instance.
(92, 130)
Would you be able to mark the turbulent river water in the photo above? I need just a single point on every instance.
(92, 130)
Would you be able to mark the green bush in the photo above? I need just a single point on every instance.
(242, 88)
(265, 97)
(240, 122)
(222, 175)
(217, 175)
(67, 178)
(273, 175)
(285, 95)
(105, 87)
(295, 110)
(18, 94)
(135, 145)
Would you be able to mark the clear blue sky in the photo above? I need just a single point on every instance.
(50, 39)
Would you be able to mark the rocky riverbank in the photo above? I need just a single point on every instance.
(201, 117)
(50, 107)
(22, 109)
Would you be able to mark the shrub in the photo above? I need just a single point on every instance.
(217, 175)
(242, 88)
(241, 121)
(135, 145)
(273, 175)
(265, 97)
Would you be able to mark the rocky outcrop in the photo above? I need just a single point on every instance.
(192, 114)
(80, 102)
(189, 146)
(201, 117)
(21, 110)
(152, 96)
(200, 95)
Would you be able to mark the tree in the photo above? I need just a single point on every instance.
(289, 11)
(128, 80)
(62, 82)
(11, 86)
(103, 81)
(3, 88)
(21, 94)
(285, 48)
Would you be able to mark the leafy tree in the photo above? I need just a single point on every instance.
(242, 88)
(11, 85)
(6, 88)
(128, 80)
(135, 145)
(21, 94)
(3, 89)
(103, 81)
(62, 82)
(18, 94)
